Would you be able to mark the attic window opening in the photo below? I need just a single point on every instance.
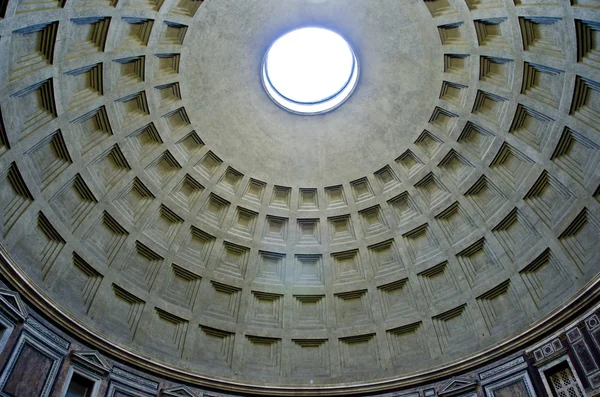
(310, 71)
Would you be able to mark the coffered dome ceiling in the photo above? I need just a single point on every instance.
(168, 211)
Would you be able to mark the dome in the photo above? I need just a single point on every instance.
(161, 207)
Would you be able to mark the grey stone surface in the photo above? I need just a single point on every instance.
(150, 187)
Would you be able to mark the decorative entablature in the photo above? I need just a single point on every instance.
(12, 305)
(503, 369)
(44, 334)
(92, 361)
(549, 351)
(579, 339)
(509, 378)
(584, 338)
(122, 381)
(459, 387)
(12, 312)
(178, 391)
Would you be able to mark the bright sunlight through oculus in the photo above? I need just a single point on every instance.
(310, 70)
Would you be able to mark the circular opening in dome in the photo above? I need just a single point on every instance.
(310, 70)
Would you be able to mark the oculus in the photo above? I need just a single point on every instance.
(310, 70)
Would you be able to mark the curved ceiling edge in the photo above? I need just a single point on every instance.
(10, 270)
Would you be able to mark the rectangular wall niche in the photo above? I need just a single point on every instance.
(80, 386)
(83, 379)
(38, 348)
(515, 385)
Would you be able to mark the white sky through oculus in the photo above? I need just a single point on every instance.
(309, 65)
